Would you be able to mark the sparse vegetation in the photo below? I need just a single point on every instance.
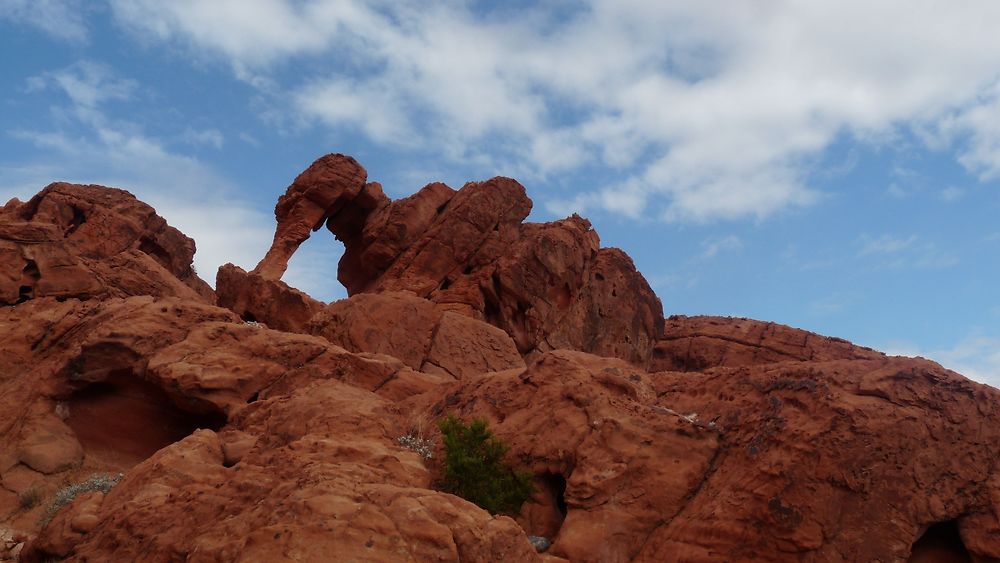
(416, 442)
(474, 467)
(102, 482)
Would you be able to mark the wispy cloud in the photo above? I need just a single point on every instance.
(713, 246)
(61, 19)
(952, 193)
(714, 113)
(900, 252)
(885, 244)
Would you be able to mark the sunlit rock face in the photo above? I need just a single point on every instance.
(254, 422)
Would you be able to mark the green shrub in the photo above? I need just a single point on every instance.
(474, 468)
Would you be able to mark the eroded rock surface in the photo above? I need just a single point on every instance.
(90, 241)
(276, 427)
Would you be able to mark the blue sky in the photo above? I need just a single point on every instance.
(833, 166)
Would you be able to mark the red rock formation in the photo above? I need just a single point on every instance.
(549, 286)
(82, 241)
(693, 439)
(700, 343)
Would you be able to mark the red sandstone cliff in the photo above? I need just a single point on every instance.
(263, 425)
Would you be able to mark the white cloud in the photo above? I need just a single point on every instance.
(189, 194)
(976, 357)
(713, 246)
(714, 113)
(62, 19)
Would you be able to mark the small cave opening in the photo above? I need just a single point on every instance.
(79, 218)
(123, 419)
(941, 543)
(29, 278)
(155, 251)
(556, 486)
(545, 513)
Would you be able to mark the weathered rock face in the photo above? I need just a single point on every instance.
(277, 427)
(841, 460)
(91, 241)
(700, 343)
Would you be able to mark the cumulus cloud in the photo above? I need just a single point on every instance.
(710, 113)
(62, 19)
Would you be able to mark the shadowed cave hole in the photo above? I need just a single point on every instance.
(555, 485)
(29, 277)
(155, 251)
(123, 420)
(941, 543)
(79, 218)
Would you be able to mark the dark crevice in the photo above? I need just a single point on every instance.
(941, 543)
(29, 278)
(155, 251)
(556, 484)
(78, 219)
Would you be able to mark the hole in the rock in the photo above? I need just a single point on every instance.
(445, 284)
(248, 317)
(253, 398)
(155, 251)
(123, 420)
(467, 270)
(29, 277)
(545, 514)
(941, 543)
(315, 265)
(556, 485)
(78, 219)
(24, 293)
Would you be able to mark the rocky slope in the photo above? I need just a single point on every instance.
(255, 423)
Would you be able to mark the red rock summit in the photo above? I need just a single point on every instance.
(144, 417)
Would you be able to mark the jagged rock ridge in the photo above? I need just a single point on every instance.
(261, 424)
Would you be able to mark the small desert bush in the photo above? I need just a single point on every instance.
(474, 467)
(416, 442)
(102, 482)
